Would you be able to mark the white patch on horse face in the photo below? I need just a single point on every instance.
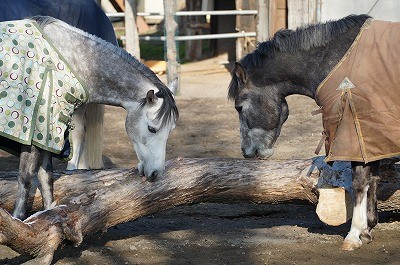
(256, 142)
(150, 147)
(260, 128)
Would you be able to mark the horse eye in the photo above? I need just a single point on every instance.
(238, 108)
(151, 129)
(244, 96)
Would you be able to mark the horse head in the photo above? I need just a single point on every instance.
(261, 110)
(150, 127)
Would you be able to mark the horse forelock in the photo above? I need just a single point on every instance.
(168, 111)
(302, 39)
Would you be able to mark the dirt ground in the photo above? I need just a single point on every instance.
(220, 233)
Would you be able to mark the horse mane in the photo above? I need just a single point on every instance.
(292, 41)
(168, 110)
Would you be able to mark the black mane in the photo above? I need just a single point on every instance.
(292, 41)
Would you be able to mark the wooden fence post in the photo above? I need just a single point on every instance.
(245, 24)
(131, 32)
(171, 47)
(194, 25)
(263, 20)
(302, 12)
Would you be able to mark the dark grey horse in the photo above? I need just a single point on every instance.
(296, 62)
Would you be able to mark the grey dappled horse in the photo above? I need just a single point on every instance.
(87, 16)
(296, 62)
(113, 77)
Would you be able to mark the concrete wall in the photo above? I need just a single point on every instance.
(150, 6)
(383, 10)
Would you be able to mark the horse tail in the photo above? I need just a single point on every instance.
(94, 136)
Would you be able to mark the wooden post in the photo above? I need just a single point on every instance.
(131, 32)
(170, 30)
(245, 23)
(194, 25)
(277, 15)
(313, 11)
(302, 12)
(298, 13)
(263, 20)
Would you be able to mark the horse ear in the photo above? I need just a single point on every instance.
(150, 97)
(240, 72)
(173, 86)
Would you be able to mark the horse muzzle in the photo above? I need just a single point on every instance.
(149, 176)
(258, 153)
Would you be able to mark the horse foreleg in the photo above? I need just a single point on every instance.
(29, 161)
(372, 203)
(45, 176)
(359, 222)
(78, 159)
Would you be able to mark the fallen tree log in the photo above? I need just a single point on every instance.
(92, 201)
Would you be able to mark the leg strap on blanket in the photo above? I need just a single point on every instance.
(321, 142)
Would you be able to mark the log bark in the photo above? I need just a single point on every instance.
(92, 201)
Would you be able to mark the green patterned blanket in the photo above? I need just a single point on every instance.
(38, 90)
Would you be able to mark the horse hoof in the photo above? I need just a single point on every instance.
(350, 246)
(366, 236)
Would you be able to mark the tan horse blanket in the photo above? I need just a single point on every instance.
(360, 98)
(38, 90)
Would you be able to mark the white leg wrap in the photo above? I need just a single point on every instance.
(78, 160)
(359, 222)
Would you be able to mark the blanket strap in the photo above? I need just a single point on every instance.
(321, 142)
(316, 112)
(323, 138)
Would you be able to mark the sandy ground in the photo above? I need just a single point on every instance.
(220, 233)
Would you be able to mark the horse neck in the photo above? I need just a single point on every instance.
(109, 79)
(307, 69)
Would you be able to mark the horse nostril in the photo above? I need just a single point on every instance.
(153, 176)
(248, 154)
(238, 108)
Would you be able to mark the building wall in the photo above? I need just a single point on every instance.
(303, 12)
(383, 10)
